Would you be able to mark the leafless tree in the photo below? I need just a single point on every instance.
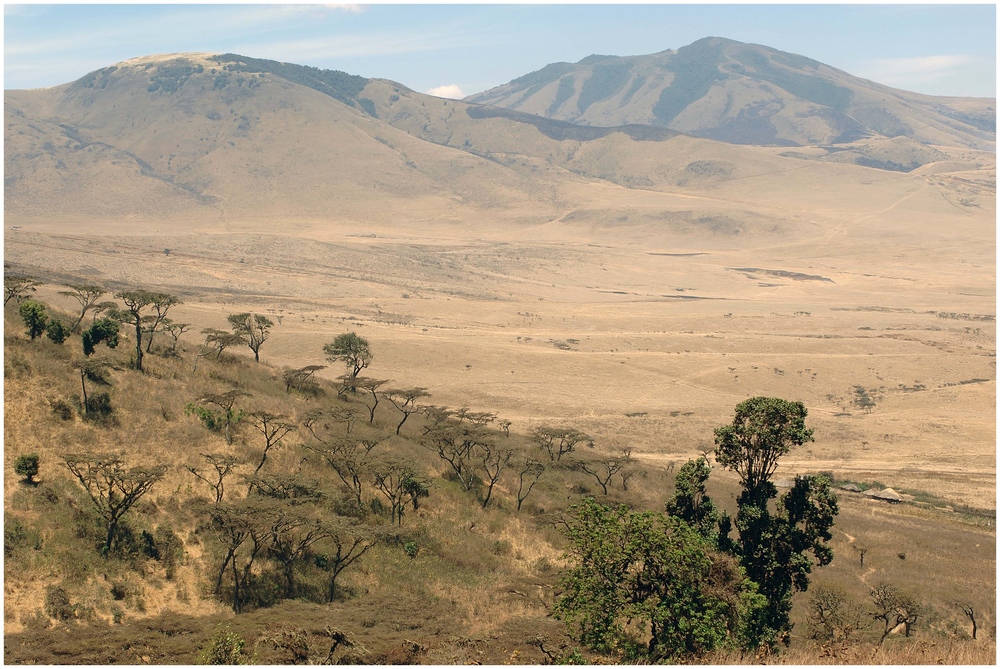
(495, 459)
(175, 330)
(223, 466)
(894, 608)
(604, 470)
(971, 614)
(529, 470)
(17, 287)
(273, 427)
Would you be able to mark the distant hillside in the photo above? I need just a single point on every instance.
(215, 139)
(744, 94)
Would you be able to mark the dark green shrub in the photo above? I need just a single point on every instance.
(27, 466)
(226, 647)
(34, 317)
(57, 332)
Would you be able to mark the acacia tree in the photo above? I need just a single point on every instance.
(347, 454)
(223, 466)
(225, 418)
(87, 295)
(300, 379)
(293, 534)
(351, 350)
(371, 386)
(495, 459)
(244, 532)
(529, 470)
(175, 330)
(604, 470)
(346, 543)
(396, 481)
(113, 488)
(136, 301)
(274, 427)
(774, 548)
(405, 401)
(253, 328)
(557, 441)
(16, 287)
(161, 303)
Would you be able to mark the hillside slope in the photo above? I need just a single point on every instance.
(745, 94)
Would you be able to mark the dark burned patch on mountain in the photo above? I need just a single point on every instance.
(563, 130)
(338, 85)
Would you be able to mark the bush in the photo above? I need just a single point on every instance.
(57, 332)
(57, 604)
(34, 317)
(226, 648)
(63, 409)
(27, 466)
(17, 536)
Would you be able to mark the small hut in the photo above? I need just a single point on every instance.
(888, 495)
(850, 487)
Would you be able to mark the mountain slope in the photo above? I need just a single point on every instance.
(232, 143)
(745, 94)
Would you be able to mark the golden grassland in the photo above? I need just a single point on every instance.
(481, 585)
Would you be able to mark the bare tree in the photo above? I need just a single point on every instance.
(17, 287)
(405, 400)
(456, 441)
(832, 616)
(971, 614)
(244, 533)
(112, 487)
(87, 295)
(604, 470)
(348, 541)
(495, 460)
(529, 470)
(894, 608)
(274, 427)
(293, 535)
(557, 441)
(348, 455)
(223, 466)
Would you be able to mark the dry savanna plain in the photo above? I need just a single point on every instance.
(636, 290)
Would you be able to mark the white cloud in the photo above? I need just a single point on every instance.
(908, 71)
(447, 91)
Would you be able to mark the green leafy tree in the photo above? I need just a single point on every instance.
(690, 503)
(778, 550)
(253, 328)
(218, 412)
(34, 317)
(639, 576)
(27, 466)
(351, 350)
(57, 332)
(103, 330)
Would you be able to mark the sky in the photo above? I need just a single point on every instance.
(455, 50)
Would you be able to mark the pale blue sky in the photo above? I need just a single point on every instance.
(936, 49)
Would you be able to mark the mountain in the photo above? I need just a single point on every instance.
(744, 94)
(214, 139)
